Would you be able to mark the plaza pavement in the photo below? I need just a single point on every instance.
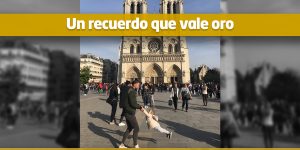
(199, 127)
(29, 134)
(253, 137)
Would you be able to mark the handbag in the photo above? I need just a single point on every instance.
(170, 102)
(109, 100)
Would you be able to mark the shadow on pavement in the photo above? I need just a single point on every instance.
(104, 132)
(103, 99)
(107, 133)
(195, 134)
(46, 136)
(99, 115)
(191, 104)
(191, 107)
(164, 107)
(205, 109)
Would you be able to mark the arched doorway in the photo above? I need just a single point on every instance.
(154, 74)
(133, 74)
(174, 74)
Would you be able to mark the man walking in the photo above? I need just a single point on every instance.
(124, 90)
(130, 106)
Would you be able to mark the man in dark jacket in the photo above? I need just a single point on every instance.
(129, 108)
(124, 90)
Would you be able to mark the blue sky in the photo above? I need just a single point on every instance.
(116, 6)
(203, 50)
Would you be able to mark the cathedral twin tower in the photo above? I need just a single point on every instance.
(154, 59)
(141, 6)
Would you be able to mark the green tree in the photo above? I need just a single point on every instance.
(10, 85)
(85, 75)
(192, 76)
(284, 86)
(212, 75)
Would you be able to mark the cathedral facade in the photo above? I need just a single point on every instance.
(154, 59)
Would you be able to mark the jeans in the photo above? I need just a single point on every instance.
(132, 124)
(204, 96)
(114, 105)
(185, 103)
(122, 115)
(268, 136)
(146, 99)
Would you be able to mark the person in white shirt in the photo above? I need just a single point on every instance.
(204, 94)
(267, 124)
(175, 95)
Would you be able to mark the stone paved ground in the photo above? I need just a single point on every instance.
(200, 127)
(252, 137)
(29, 134)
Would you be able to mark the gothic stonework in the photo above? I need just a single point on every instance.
(154, 59)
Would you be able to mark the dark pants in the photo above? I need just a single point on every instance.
(226, 142)
(185, 103)
(122, 115)
(146, 99)
(132, 124)
(114, 105)
(175, 101)
(268, 136)
(204, 96)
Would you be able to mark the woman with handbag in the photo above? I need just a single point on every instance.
(185, 96)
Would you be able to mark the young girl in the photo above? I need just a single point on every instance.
(152, 122)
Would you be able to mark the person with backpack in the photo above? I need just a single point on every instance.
(123, 90)
(185, 96)
(130, 106)
(175, 95)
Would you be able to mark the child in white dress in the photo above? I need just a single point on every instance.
(152, 122)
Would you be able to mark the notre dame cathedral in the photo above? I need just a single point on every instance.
(154, 59)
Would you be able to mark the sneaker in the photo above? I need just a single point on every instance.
(169, 135)
(122, 146)
(121, 124)
(136, 146)
(111, 123)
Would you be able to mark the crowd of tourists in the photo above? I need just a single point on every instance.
(125, 96)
